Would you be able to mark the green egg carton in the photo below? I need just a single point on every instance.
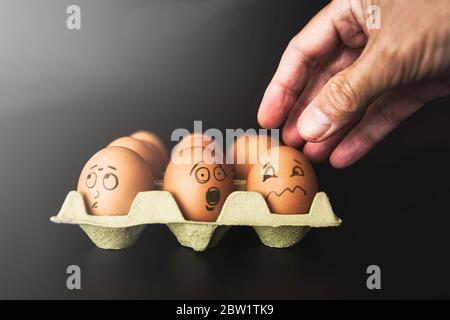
(241, 208)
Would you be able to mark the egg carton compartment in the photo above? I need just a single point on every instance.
(241, 208)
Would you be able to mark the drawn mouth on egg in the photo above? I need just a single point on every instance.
(279, 194)
(95, 204)
(212, 198)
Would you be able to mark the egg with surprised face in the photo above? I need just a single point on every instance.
(286, 179)
(199, 186)
(111, 179)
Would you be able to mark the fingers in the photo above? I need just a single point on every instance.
(320, 151)
(344, 98)
(342, 60)
(382, 117)
(290, 134)
(305, 51)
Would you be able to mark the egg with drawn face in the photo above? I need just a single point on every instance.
(111, 179)
(200, 186)
(286, 179)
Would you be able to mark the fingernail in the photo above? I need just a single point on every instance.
(314, 123)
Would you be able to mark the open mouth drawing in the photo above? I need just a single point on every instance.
(95, 205)
(285, 190)
(212, 198)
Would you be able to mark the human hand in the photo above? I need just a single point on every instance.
(342, 88)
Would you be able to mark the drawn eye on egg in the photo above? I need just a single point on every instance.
(268, 171)
(202, 175)
(219, 173)
(91, 180)
(297, 170)
(110, 181)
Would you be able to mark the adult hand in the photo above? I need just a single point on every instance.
(342, 86)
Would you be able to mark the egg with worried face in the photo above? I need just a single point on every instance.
(111, 179)
(199, 186)
(286, 179)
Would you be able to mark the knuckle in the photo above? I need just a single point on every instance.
(294, 44)
(341, 97)
(364, 139)
(393, 61)
(390, 117)
(367, 141)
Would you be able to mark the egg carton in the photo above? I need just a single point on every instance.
(241, 208)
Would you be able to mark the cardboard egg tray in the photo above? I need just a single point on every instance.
(241, 208)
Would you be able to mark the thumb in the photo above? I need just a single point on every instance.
(343, 100)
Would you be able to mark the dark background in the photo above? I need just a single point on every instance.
(159, 65)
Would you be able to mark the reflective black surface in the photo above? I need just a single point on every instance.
(160, 65)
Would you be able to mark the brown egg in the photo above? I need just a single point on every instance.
(154, 140)
(145, 150)
(251, 148)
(200, 188)
(288, 185)
(111, 179)
(193, 140)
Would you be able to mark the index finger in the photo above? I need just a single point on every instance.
(315, 43)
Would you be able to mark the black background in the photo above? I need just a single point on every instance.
(159, 65)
